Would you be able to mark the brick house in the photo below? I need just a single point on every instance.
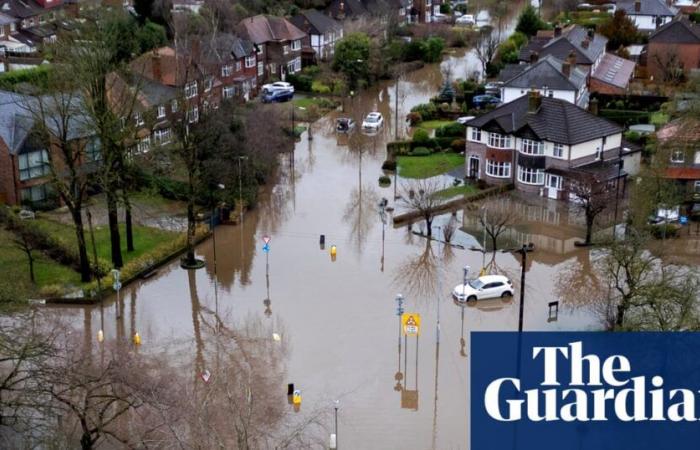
(542, 144)
(683, 137)
(675, 45)
(322, 33)
(278, 42)
(24, 157)
(234, 63)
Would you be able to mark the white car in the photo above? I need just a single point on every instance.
(373, 121)
(278, 86)
(488, 286)
(464, 119)
(467, 19)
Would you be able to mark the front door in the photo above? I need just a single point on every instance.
(474, 167)
(553, 185)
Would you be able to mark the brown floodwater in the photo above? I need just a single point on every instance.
(338, 317)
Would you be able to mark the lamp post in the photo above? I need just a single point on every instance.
(617, 192)
(523, 252)
(213, 244)
(382, 216)
(336, 407)
(240, 187)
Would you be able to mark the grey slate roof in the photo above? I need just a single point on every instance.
(227, 46)
(556, 121)
(547, 72)
(510, 71)
(647, 8)
(677, 31)
(570, 40)
(21, 9)
(318, 23)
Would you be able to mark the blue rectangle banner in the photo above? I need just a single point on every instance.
(561, 391)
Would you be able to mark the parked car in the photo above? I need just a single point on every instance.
(464, 119)
(373, 121)
(493, 87)
(277, 96)
(344, 125)
(488, 286)
(467, 19)
(278, 86)
(480, 101)
(440, 18)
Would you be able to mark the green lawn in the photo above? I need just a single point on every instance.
(145, 238)
(15, 268)
(428, 166)
(434, 124)
(305, 102)
(455, 191)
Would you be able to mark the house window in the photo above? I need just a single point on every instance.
(191, 89)
(36, 193)
(261, 69)
(696, 159)
(558, 150)
(696, 187)
(161, 112)
(476, 135)
(138, 119)
(193, 114)
(497, 140)
(527, 175)
(531, 147)
(161, 137)
(677, 156)
(208, 84)
(249, 62)
(144, 145)
(238, 66)
(497, 169)
(173, 106)
(296, 45)
(285, 49)
(229, 91)
(598, 153)
(226, 70)
(93, 150)
(33, 165)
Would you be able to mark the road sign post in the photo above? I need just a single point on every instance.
(410, 323)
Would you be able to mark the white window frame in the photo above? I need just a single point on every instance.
(229, 92)
(530, 176)
(696, 158)
(40, 168)
(531, 147)
(696, 187)
(173, 106)
(161, 111)
(497, 169)
(498, 140)
(249, 62)
(675, 158)
(162, 136)
(191, 89)
(261, 68)
(226, 70)
(475, 135)
(238, 66)
(144, 145)
(208, 83)
(558, 150)
(285, 49)
(138, 119)
(193, 114)
(296, 45)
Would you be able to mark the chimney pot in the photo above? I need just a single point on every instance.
(637, 6)
(566, 69)
(593, 106)
(534, 57)
(557, 31)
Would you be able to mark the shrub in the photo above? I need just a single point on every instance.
(389, 165)
(38, 77)
(398, 147)
(420, 136)
(300, 82)
(444, 143)
(421, 151)
(311, 71)
(458, 145)
(384, 180)
(414, 118)
(668, 230)
(451, 130)
(319, 88)
(428, 111)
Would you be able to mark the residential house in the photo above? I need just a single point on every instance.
(606, 72)
(550, 76)
(355, 9)
(24, 157)
(278, 43)
(674, 48)
(234, 63)
(543, 144)
(647, 15)
(322, 33)
(683, 136)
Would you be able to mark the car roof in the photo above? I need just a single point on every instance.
(492, 278)
(373, 114)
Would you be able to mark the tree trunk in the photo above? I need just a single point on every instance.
(129, 228)
(190, 231)
(429, 224)
(85, 274)
(589, 228)
(621, 308)
(115, 240)
(30, 258)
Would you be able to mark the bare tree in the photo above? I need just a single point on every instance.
(669, 65)
(496, 216)
(591, 196)
(23, 242)
(418, 275)
(486, 46)
(422, 197)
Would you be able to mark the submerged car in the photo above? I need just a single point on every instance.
(466, 19)
(488, 286)
(373, 121)
(484, 100)
(344, 125)
(278, 86)
(277, 96)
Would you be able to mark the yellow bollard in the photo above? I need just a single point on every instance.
(296, 397)
(100, 336)
(137, 339)
(334, 252)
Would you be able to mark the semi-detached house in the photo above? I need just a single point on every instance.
(541, 144)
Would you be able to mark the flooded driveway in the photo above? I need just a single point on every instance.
(338, 317)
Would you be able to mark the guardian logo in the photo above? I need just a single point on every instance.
(585, 390)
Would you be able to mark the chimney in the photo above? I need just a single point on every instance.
(557, 31)
(155, 66)
(566, 68)
(534, 57)
(593, 106)
(585, 42)
(591, 34)
(341, 10)
(571, 59)
(534, 100)
(637, 6)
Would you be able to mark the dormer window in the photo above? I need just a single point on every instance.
(497, 140)
(531, 147)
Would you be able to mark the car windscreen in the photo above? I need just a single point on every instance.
(371, 119)
(476, 284)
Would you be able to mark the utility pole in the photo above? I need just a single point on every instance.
(523, 252)
(617, 193)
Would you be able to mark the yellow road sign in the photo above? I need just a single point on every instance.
(410, 323)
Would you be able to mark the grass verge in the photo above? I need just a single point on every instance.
(454, 191)
(428, 166)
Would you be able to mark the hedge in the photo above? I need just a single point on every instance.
(38, 76)
(300, 82)
(625, 117)
(455, 130)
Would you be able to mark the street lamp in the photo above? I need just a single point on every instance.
(213, 244)
(523, 252)
(337, 406)
(382, 216)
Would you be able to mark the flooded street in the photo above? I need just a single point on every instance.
(338, 318)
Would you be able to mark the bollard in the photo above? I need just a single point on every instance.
(322, 242)
(296, 398)
(290, 389)
(100, 336)
(333, 444)
(334, 250)
(137, 339)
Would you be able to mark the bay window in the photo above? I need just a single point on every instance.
(296, 45)
(531, 147)
(497, 140)
(558, 150)
(530, 176)
(497, 169)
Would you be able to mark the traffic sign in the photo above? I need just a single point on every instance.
(410, 323)
(206, 375)
(266, 248)
(117, 285)
(266, 239)
(684, 220)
